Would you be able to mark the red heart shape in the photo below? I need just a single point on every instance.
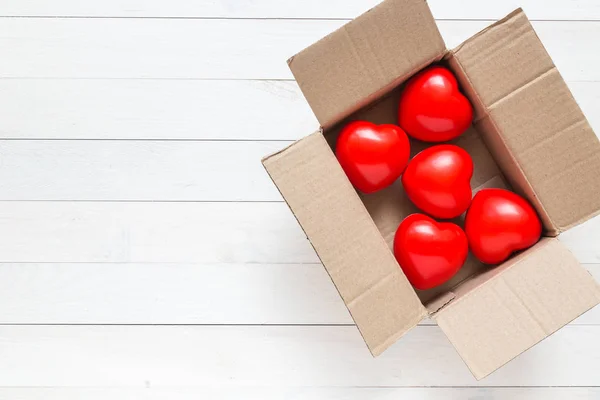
(438, 181)
(373, 156)
(432, 108)
(500, 222)
(429, 252)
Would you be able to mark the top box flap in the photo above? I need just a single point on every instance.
(363, 269)
(366, 58)
(517, 305)
(539, 135)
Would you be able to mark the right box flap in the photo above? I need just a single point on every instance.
(379, 297)
(531, 122)
(366, 58)
(510, 308)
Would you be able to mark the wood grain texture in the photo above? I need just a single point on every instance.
(174, 109)
(237, 49)
(442, 9)
(298, 393)
(189, 294)
(272, 356)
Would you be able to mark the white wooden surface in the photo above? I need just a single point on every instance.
(144, 253)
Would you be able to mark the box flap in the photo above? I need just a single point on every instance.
(516, 305)
(357, 258)
(366, 58)
(532, 124)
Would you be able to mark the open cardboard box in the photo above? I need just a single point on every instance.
(528, 135)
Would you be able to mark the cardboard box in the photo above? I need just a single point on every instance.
(528, 134)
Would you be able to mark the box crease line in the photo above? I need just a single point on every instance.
(512, 157)
(521, 88)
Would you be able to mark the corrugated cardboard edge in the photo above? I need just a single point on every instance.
(484, 30)
(481, 321)
(378, 296)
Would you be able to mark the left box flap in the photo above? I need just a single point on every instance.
(510, 308)
(355, 255)
(366, 58)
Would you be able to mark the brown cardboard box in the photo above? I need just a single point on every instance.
(528, 134)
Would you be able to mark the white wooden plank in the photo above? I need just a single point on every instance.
(172, 232)
(222, 356)
(151, 232)
(158, 109)
(136, 170)
(190, 294)
(238, 49)
(442, 9)
(535, 9)
(176, 109)
(300, 393)
(576, 240)
(169, 294)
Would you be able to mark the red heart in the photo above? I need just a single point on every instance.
(438, 181)
(373, 156)
(500, 222)
(432, 108)
(429, 252)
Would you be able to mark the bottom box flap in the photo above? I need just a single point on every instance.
(355, 255)
(510, 308)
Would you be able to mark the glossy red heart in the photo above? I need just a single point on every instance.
(429, 252)
(438, 181)
(432, 108)
(373, 156)
(500, 222)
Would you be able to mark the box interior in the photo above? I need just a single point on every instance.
(390, 206)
